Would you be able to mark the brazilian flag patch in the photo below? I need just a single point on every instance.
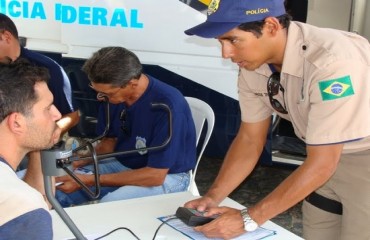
(336, 88)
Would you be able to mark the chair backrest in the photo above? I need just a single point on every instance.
(201, 113)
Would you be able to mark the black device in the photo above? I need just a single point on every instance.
(193, 217)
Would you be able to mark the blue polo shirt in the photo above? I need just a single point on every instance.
(58, 84)
(141, 125)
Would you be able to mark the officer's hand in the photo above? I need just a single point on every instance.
(228, 225)
(201, 204)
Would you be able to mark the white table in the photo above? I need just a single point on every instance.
(140, 216)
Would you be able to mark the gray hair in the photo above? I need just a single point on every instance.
(113, 65)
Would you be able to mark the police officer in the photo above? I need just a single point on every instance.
(319, 79)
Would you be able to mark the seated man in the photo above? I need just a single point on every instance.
(116, 73)
(27, 123)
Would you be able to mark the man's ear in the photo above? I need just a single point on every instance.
(133, 83)
(272, 25)
(16, 123)
(6, 36)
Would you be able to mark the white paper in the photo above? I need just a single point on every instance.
(180, 226)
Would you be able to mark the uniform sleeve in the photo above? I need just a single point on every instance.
(180, 152)
(60, 86)
(160, 134)
(339, 103)
(252, 108)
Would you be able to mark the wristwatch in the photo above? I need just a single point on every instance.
(249, 224)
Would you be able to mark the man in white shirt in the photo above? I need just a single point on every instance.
(27, 123)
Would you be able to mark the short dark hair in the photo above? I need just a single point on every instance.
(6, 24)
(256, 27)
(113, 65)
(17, 82)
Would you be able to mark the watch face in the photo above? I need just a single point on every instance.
(251, 226)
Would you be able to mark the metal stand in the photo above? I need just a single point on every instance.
(49, 169)
(57, 162)
(66, 219)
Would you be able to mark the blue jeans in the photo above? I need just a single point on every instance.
(173, 183)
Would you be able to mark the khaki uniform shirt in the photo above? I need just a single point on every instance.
(326, 77)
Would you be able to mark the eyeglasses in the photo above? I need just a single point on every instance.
(124, 123)
(273, 87)
(102, 94)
